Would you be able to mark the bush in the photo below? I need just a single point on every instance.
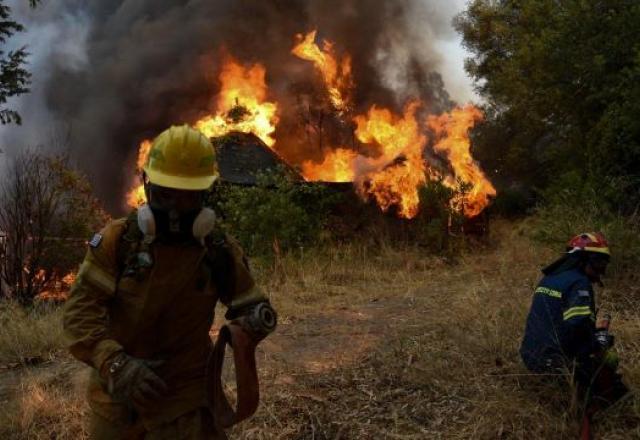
(575, 205)
(437, 218)
(278, 212)
(47, 210)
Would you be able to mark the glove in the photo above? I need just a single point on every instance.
(130, 379)
(610, 359)
(603, 340)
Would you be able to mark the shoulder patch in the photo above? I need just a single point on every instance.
(95, 240)
(584, 294)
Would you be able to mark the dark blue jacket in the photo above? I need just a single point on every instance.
(561, 322)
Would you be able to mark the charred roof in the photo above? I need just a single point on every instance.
(242, 156)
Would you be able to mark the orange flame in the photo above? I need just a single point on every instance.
(57, 288)
(136, 196)
(335, 73)
(337, 166)
(242, 104)
(69, 279)
(392, 174)
(400, 169)
(452, 134)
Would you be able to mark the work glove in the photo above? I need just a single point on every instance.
(130, 379)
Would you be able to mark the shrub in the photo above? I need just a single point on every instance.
(278, 211)
(575, 205)
(437, 218)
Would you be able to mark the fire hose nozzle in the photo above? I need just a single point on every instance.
(261, 320)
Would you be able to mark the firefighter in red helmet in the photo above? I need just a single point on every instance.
(561, 333)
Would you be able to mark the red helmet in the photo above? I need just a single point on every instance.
(589, 242)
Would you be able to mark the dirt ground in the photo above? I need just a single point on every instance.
(390, 344)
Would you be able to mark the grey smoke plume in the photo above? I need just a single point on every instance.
(119, 71)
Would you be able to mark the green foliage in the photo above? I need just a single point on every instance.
(574, 205)
(436, 218)
(14, 78)
(277, 213)
(561, 83)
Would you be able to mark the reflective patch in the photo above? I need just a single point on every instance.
(95, 240)
(576, 311)
(584, 294)
(549, 292)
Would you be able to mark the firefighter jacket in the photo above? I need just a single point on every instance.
(561, 322)
(165, 313)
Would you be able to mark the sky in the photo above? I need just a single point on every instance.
(456, 80)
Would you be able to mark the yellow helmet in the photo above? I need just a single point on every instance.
(182, 158)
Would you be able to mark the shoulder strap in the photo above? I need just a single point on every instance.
(128, 243)
(221, 263)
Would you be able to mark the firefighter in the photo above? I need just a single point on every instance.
(561, 333)
(143, 303)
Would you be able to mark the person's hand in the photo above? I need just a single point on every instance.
(133, 379)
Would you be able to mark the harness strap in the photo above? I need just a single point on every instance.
(248, 389)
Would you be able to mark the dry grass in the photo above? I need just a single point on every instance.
(29, 336)
(387, 343)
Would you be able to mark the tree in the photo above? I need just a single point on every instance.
(48, 212)
(14, 78)
(560, 80)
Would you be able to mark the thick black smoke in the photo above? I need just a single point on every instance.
(152, 63)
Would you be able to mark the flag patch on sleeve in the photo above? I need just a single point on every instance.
(584, 293)
(95, 240)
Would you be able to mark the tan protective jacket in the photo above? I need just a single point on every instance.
(165, 315)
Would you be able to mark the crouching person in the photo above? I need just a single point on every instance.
(143, 304)
(561, 334)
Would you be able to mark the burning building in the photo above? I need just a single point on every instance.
(386, 158)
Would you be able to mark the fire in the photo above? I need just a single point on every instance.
(390, 169)
(136, 196)
(242, 104)
(393, 176)
(335, 73)
(452, 138)
(69, 279)
(57, 288)
(337, 166)
(397, 173)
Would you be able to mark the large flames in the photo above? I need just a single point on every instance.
(396, 174)
(335, 73)
(452, 133)
(387, 165)
(242, 104)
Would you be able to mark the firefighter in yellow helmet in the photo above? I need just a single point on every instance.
(143, 304)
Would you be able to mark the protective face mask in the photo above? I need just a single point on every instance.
(197, 224)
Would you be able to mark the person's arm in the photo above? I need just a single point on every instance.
(86, 312)
(579, 321)
(239, 292)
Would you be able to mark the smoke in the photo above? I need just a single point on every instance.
(119, 71)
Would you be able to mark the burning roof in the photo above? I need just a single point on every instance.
(385, 158)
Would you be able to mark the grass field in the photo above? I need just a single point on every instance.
(379, 342)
